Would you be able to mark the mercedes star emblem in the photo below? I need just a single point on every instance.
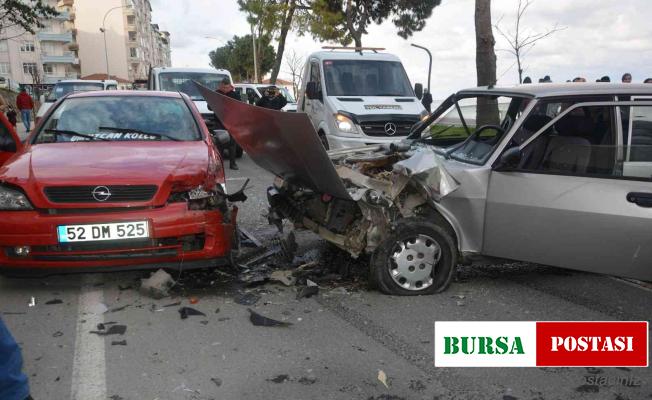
(101, 193)
(390, 128)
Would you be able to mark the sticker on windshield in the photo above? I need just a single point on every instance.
(382, 107)
(115, 136)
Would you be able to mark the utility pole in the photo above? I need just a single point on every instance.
(253, 39)
(103, 30)
(429, 64)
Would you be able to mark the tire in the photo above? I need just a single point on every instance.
(410, 241)
(238, 152)
(323, 140)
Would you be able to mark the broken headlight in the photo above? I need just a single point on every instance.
(197, 198)
(345, 124)
(14, 200)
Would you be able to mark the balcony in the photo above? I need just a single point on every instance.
(65, 58)
(64, 3)
(54, 37)
(73, 46)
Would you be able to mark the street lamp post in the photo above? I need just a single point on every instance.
(103, 30)
(429, 65)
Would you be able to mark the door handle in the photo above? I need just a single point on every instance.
(640, 199)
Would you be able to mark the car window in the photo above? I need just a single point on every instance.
(582, 142)
(126, 118)
(183, 82)
(637, 140)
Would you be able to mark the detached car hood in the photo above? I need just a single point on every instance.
(285, 144)
(82, 163)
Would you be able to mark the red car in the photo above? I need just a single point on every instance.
(114, 180)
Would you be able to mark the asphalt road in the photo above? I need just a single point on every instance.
(334, 349)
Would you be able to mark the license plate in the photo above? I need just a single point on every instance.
(95, 232)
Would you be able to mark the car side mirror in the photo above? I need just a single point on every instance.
(510, 159)
(418, 90)
(312, 91)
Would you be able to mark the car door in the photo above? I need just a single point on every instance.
(569, 203)
(9, 141)
(315, 107)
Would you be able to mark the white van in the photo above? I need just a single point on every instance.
(359, 97)
(252, 92)
(64, 87)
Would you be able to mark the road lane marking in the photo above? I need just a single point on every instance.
(89, 365)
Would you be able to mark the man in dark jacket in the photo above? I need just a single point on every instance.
(272, 99)
(227, 89)
(13, 383)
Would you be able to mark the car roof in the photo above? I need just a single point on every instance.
(352, 55)
(132, 93)
(541, 90)
(179, 69)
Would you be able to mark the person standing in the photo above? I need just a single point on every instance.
(13, 382)
(226, 88)
(25, 106)
(627, 78)
(272, 99)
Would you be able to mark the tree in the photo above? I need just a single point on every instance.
(346, 21)
(274, 18)
(520, 42)
(24, 16)
(485, 63)
(294, 64)
(237, 57)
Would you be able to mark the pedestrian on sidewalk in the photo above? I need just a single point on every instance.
(13, 382)
(25, 105)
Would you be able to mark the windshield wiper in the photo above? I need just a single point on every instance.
(129, 130)
(73, 133)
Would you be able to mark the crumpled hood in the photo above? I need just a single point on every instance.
(103, 163)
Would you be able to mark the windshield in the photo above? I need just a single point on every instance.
(63, 88)
(288, 96)
(479, 122)
(366, 78)
(182, 82)
(119, 118)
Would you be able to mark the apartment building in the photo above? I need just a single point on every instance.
(44, 57)
(72, 44)
(133, 43)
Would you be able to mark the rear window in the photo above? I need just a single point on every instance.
(123, 118)
(63, 88)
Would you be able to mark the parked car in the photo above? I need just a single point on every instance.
(114, 180)
(252, 92)
(559, 175)
(65, 87)
(355, 98)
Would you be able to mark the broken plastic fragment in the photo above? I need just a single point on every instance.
(283, 276)
(185, 312)
(217, 381)
(382, 377)
(307, 291)
(247, 299)
(32, 302)
(54, 301)
(158, 285)
(119, 343)
(259, 320)
(113, 330)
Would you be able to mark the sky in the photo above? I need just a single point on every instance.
(599, 37)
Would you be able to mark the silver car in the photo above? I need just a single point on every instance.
(559, 175)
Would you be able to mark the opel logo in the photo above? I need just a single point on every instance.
(390, 128)
(101, 193)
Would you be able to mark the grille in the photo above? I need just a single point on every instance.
(377, 128)
(84, 194)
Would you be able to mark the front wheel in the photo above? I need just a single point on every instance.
(416, 258)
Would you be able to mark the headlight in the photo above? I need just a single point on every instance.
(11, 199)
(345, 124)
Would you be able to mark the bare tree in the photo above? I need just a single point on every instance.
(294, 64)
(485, 63)
(520, 41)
